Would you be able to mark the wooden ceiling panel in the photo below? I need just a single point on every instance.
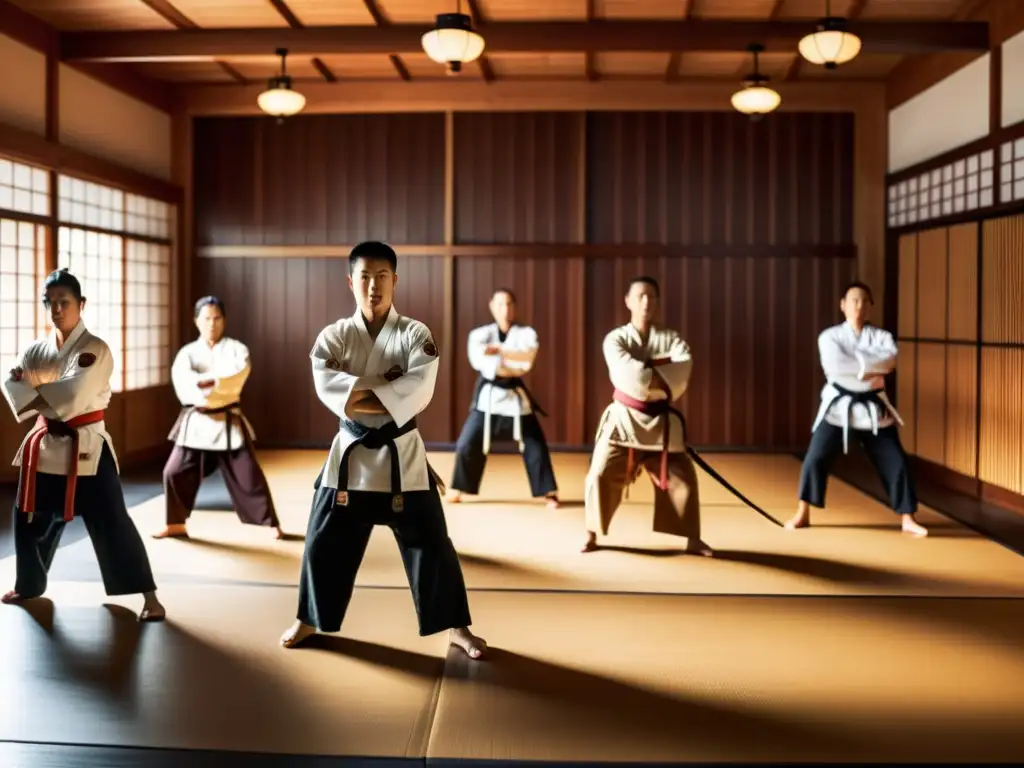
(361, 66)
(330, 13)
(631, 64)
(259, 68)
(732, 9)
(534, 10)
(420, 67)
(534, 66)
(95, 15)
(936, 10)
(415, 11)
(632, 9)
(815, 9)
(231, 13)
(185, 72)
(867, 66)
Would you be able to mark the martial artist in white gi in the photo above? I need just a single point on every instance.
(502, 408)
(640, 430)
(208, 375)
(376, 371)
(856, 357)
(67, 460)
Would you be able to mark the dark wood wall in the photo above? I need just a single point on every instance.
(748, 226)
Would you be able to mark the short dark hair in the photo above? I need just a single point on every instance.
(508, 291)
(863, 286)
(646, 281)
(61, 278)
(210, 301)
(373, 249)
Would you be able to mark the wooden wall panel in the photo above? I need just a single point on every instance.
(278, 306)
(719, 178)
(517, 177)
(907, 316)
(757, 220)
(756, 377)
(1002, 417)
(1003, 280)
(906, 394)
(931, 402)
(963, 282)
(550, 297)
(961, 412)
(932, 282)
(321, 179)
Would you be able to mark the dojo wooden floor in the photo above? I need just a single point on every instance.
(844, 642)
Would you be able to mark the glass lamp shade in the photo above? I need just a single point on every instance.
(453, 41)
(281, 102)
(756, 100)
(830, 47)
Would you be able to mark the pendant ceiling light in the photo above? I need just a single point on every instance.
(279, 100)
(755, 98)
(830, 44)
(453, 40)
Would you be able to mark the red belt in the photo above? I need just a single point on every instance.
(651, 408)
(30, 459)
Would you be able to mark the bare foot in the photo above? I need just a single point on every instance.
(455, 497)
(802, 518)
(296, 634)
(698, 547)
(472, 645)
(11, 597)
(152, 610)
(914, 528)
(176, 531)
(553, 502)
(591, 544)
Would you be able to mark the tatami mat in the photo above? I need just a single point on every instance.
(508, 541)
(572, 677)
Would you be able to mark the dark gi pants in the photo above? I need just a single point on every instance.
(470, 458)
(884, 450)
(99, 501)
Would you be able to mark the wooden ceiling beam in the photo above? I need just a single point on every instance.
(905, 37)
(383, 21)
(293, 21)
(166, 9)
(481, 23)
(504, 95)
(672, 71)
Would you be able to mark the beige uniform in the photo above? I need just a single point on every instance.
(628, 439)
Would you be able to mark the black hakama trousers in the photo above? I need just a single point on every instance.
(99, 501)
(247, 485)
(885, 452)
(470, 458)
(336, 540)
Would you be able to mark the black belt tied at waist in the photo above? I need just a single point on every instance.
(373, 439)
(508, 384)
(867, 398)
(188, 410)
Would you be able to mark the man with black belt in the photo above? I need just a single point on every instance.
(208, 375)
(856, 357)
(376, 371)
(502, 408)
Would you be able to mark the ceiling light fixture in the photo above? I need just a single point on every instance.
(756, 99)
(830, 44)
(279, 100)
(453, 41)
